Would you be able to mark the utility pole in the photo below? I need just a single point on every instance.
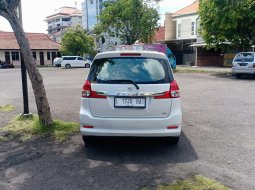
(23, 75)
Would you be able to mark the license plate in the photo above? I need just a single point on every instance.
(243, 64)
(127, 102)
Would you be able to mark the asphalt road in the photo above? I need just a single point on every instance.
(217, 141)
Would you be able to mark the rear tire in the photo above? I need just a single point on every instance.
(87, 65)
(174, 140)
(67, 66)
(238, 76)
(87, 139)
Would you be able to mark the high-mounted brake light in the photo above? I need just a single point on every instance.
(88, 93)
(174, 92)
(130, 54)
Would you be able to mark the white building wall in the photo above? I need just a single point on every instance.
(37, 60)
(2, 56)
(185, 22)
(76, 20)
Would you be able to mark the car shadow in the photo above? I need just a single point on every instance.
(145, 150)
(109, 163)
(232, 77)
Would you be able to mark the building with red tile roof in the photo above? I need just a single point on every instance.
(61, 19)
(43, 48)
(190, 9)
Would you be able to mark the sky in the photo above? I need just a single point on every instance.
(34, 12)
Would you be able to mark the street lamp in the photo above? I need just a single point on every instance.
(23, 75)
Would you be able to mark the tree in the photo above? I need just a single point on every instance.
(8, 9)
(76, 42)
(228, 23)
(129, 20)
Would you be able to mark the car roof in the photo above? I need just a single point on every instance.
(112, 54)
(71, 56)
(246, 52)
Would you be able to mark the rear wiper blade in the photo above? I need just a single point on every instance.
(124, 82)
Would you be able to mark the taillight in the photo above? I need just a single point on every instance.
(88, 93)
(253, 65)
(173, 92)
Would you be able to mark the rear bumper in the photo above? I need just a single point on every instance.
(131, 127)
(238, 70)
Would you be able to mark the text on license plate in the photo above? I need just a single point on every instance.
(123, 102)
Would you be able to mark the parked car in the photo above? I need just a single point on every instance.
(74, 61)
(57, 61)
(130, 93)
(4, 65)
(243, 63)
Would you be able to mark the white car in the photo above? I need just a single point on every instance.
(130, 94)
(57, 61)
(75, 61)
(243, 63)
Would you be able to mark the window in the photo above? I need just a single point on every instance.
(244, 57)
(34, 55)
(49, 22)
(66, 19)
(57, 20)
(69, 58)
(48, 55)
(192, 28)
(197, 26)
(80, 59)
(15, 56)
(140, 70)
(179, 30)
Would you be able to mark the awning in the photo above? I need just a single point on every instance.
(198, 45)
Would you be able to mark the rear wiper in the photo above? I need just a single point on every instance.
(124, 82)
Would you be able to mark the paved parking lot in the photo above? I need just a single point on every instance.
(217, 141)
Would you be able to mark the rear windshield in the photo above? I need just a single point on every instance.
(139, 70)
(244, 57)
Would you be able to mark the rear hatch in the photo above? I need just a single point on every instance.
(244, 60)
(130, 87)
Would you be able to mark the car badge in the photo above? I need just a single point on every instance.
(130, 89)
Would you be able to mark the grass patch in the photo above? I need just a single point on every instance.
(201, 70)
(6, 108)
(192, 71)
(2, 139)
(27, 128)
(194, 183)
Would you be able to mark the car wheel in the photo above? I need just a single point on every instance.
(87, 139)
(238, 76)
(68, 66)
(87, 65)
(173, 140)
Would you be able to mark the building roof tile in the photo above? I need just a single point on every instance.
(37, 41)
(70, 11)
(193, 8)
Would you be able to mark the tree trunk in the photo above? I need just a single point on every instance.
(42, 104)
